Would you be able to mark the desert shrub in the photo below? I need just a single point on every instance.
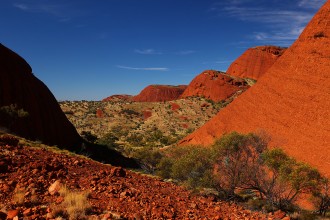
(284, 179)
(109, 140)
(88, 136)
(148, 158)
(192, 166)
(321, 196)
(9, 114)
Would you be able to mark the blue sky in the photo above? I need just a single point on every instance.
(84, 49)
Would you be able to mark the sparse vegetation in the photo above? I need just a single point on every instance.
(241, 168)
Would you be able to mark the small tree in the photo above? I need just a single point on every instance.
(322, 197)
(237, 160)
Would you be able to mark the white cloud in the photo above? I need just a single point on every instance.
(144, 68)
(148, 52)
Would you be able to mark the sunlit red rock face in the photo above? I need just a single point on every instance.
(46, 121)
(254, 62)
(214, 85)
(159, 93)
(115, 98)
(291, 101)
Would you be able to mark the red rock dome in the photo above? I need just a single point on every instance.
(291, 101)
(254, 62)
(214, 85)
(159, 93)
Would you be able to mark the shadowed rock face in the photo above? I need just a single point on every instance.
(255, 62)
(160, 93)
(45, 121)
(214, 85)
(291, 101)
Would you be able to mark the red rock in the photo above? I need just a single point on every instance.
(159, 93)
(214, 85)
(55, 187)
(175, 106)
(27, 212)
(146, 114)
(116, 98)
(118, 171)
(45, 121)
(290, 102)
(12, 213)
(99, 113)
(279, 214)
(255, 62)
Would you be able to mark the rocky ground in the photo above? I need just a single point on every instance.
(33, 179)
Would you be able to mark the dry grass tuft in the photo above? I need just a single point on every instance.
(19, 196)
(75, 205)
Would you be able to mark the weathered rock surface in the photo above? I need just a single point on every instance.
(255, 62)
(214, 85)
(114, 193)
(159, 93)
(45, 121)
(290, 102)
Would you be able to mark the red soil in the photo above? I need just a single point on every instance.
(115, 193)
(46, 121)
(214, 85)
(159, 93)
(290, 102)
(254, 62)
(99, 113)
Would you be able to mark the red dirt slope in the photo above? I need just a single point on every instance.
(115, 193)
(254, 62)
(214, 85)
(46, 121)
(291, 101)
(159, 93)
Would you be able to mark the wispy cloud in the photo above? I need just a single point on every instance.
(311, 3)
(148, 52)
(55, 9)
(144, 68)
(185, 52)
(282, 26)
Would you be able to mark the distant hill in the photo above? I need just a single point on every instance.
(159, 93)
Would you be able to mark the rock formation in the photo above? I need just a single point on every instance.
(290, 102)
(214, 85)
(116, 98)
(21, 90)
(160, 93)
(254, 62)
